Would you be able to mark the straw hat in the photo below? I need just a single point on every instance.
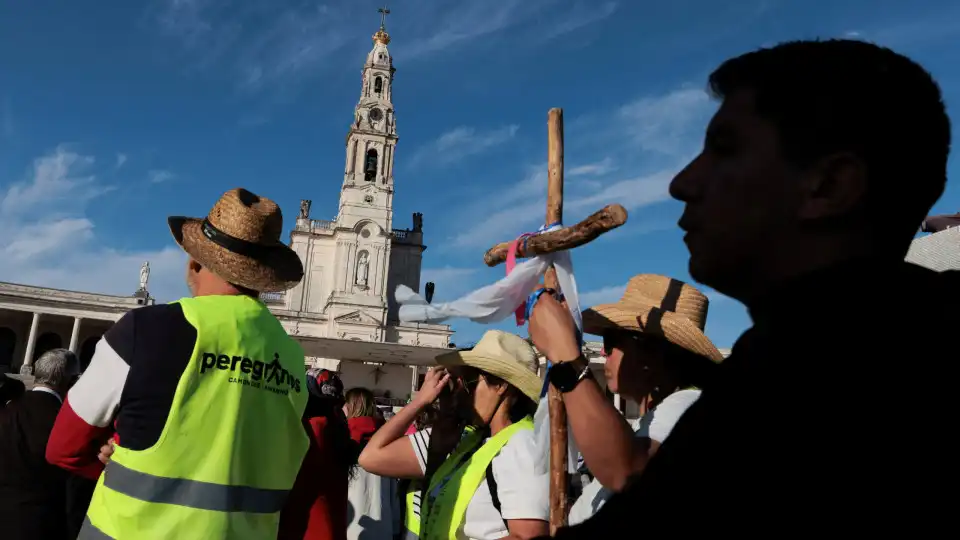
(239, 241)
(505, 355)
(661, 306)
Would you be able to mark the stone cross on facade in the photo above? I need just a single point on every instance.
(600, 222)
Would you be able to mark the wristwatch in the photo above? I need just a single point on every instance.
(565, 376)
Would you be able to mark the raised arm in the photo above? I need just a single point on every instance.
(602, 434)
(389, 452)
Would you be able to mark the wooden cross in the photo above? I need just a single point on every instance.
(609, 218)
(383, 16)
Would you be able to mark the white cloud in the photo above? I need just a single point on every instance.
(450, 282)
(668, 125)
(580, 16)
(663, 124)
(57, 178)
(266, 43)
(157, 176)
(121, 159)
(508, 222)
(50, 240)
(603, 295)
(436, 27)
(446, 274)
(598, 168)
(461, 142)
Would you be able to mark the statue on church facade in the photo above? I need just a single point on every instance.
(417, 222)
(144, 275)
(305, 208)
(429, 291)
(363, 269)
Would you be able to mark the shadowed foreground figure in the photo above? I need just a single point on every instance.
(816, 171)
(36, 497)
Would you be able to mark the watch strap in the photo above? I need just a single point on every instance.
(566, 376)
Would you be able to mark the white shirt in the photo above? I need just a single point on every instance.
(655, 425)
(374, 506)
(524, 490)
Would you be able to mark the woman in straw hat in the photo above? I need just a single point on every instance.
(479, 461)
(655, 352)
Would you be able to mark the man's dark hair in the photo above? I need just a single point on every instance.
(852, 96)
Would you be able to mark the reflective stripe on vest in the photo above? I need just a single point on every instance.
(232, 443)
(412, 521)
(183, 492)
(452, 488)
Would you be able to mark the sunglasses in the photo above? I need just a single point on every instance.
(466, 381)
(618, 340)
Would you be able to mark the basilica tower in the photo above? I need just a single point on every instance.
(367, 192)
(354, 263)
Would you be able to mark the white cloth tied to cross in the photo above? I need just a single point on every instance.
(498, 301)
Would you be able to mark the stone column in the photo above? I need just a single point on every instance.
(413, 380)
(75, 335)
(27, 367)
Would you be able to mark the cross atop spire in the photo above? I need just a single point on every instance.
(382, 36)
(384, 11)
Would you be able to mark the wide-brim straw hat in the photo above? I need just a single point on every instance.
(659, 306)
(505, 355)
(239, 241)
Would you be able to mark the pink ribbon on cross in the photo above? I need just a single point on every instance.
(511, 263)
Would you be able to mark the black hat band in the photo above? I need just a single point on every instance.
(232, 243)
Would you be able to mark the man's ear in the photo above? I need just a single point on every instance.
(834, 186)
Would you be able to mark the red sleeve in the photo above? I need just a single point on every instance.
(86, 419)
(317, 426)
(75, 444)
(296, 521)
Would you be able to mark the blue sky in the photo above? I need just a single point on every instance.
(116, 115)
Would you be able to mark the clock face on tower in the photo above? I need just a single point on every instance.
(376, 115)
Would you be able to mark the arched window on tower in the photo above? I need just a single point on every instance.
(370, 166)
(378, 85)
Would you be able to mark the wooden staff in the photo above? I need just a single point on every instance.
(558, 414)
(600, 222)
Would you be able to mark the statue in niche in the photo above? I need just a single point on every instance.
(144, 275)
(417, 222)
(363, 269)
(305, 208)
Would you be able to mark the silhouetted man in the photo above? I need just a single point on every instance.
(832, 411)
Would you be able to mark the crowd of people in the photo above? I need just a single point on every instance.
(195, 419)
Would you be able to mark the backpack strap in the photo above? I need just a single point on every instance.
(492, 486)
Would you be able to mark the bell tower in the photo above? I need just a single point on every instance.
(367, 192)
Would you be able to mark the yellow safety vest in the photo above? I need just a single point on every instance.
(412, 521)
(232, 444)
(452, 487)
